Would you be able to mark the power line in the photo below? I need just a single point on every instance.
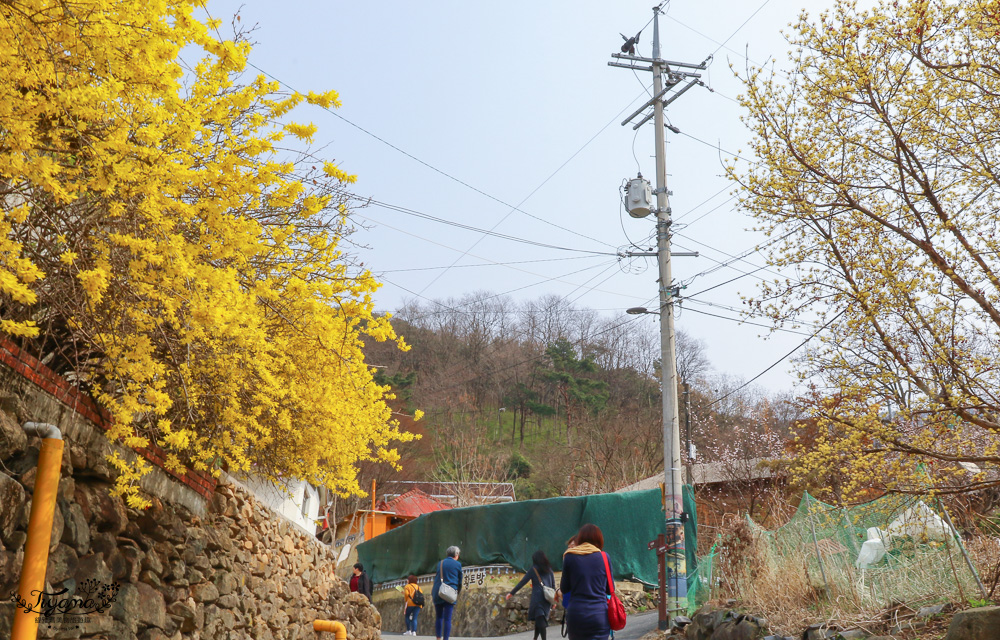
(427, 314)
(486, 264)
(546, 278)
(515, 208)
(714, 146)
(722, 45)
(712, 210)
(485, 232)
(735, 258)
(527, 286)
(779, 361)
(702, 203)
(738, 320)
(459, 180)
(578, 287)
(716, 286)
(739, 28)
(422, 162)
(728, 264)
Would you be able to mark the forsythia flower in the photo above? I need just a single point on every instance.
(212, 305)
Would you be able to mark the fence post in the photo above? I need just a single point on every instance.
(961, 547)
(819, 556)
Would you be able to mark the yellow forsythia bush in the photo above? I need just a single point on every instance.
(159, 250)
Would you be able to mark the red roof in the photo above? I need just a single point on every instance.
(413, 503)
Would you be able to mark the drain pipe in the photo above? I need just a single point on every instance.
(338, 628)
(43, 504)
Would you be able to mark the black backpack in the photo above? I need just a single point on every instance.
(418, 597)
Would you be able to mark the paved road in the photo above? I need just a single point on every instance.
(638, 626)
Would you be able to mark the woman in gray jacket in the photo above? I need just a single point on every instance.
(541, 575)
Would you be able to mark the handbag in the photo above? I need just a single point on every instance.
(616, 610)
(548, 592)
(445, 591)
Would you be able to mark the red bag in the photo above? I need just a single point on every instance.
(616, 610)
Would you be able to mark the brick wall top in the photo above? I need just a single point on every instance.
(39, 374)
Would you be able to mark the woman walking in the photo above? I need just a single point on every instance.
(449, 575)
(541, 576)
(411, 609)
(584, 575)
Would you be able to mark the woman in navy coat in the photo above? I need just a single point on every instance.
(585, 577)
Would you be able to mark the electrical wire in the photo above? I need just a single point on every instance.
(739, 320)
(728, 264)
(736, 258)
(701, 204)
(733, 258)
(709, 212)
(716, 286)
(722, 46)
(486, 264)
(715, 146)
(434, 242)
(739, 28)
(594, 288)
(459, 180)
(485, 232)
(521, 288)
(779, 361)
(515, 208)
(638, 167)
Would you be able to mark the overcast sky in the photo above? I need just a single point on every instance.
(472, 108)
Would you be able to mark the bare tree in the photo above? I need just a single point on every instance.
(692, 362)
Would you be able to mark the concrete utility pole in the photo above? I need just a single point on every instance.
(665, 78)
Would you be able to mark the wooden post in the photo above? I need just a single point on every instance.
(373, 508)
(661, 566)
(660, 545)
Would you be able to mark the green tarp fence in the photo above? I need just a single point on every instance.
(509, 533)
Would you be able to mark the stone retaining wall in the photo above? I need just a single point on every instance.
(186, 568)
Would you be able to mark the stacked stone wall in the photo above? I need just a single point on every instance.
(199, 564)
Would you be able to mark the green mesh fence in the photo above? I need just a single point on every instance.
(892, 549)
(701, 581)
(509, 533)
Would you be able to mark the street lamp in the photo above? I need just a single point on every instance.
(635, 311)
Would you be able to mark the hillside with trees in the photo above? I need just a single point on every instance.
(557, 399)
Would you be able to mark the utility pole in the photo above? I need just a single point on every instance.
(666, 77)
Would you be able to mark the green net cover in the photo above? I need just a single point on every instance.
(922, 559)
(510, 533)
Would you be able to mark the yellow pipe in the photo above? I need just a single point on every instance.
(338, 628)
(36, 550)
